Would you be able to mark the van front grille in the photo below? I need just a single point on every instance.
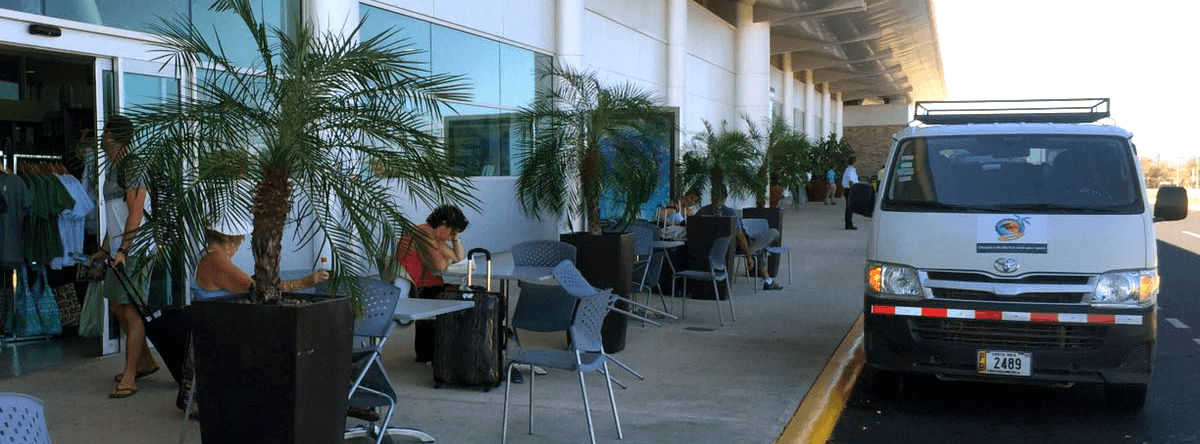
(1009, 334)
(1041, 298)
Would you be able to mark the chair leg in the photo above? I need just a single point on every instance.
(613, 400)
(626, 367)
(187, 411)
(731, 310)
(587, 409)
(717, 299)
(532, 376)
(789, 267)
(507, 387)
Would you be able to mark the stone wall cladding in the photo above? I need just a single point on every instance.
(871, 145)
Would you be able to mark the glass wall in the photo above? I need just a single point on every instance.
(143, 15)
(502, 77)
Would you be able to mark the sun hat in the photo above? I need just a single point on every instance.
(233, 225)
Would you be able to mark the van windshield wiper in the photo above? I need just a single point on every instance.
(911, 205)
(1056, 208)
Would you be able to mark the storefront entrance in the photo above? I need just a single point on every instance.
(52, 104)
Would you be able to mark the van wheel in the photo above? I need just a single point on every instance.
(885, 382)
(1126, 397)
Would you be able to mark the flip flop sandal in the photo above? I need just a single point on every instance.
(122, 392)
(137, 375)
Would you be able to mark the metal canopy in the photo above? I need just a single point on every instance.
(863, 48)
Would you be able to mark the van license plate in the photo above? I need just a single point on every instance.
(997, 362)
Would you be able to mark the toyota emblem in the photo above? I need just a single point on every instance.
(1007, 265)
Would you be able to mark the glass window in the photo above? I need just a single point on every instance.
(474, 57)
(1014, 173)
(521, 73)
(141, 89)
(480, 138)
(234, 38)
(408, 32)
(138, 15)
(30, 6)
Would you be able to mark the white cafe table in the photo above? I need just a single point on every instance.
(502, 269)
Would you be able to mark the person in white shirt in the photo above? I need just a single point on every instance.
(849, 178)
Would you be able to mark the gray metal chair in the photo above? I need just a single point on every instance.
(542, 308)
(586, 353)
(717, 272)
(23, 419)
(761, 235)
(371, 386)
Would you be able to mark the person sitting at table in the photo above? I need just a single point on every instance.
(441, 247)
(718, 208)
(217, 275)
(677, 214)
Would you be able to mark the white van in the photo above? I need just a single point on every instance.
(1013, 241)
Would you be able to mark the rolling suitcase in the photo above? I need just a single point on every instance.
(167, 328)
(469, 344)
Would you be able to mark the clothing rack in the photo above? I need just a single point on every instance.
(19, 157)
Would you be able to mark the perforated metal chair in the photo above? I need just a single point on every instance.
(23, 419)
(371, 386)
(586, 353)
(717, 272)
(761, 235)
(542, 308)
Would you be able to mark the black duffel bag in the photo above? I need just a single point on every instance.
(862, 199)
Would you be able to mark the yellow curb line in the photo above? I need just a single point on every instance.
(814, 420)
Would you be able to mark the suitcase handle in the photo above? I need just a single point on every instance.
(487, 255)
(135, 295)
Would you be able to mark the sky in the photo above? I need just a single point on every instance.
(1138, 53)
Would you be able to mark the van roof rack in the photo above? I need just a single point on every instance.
(961, 112)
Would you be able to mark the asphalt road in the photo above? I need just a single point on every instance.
(931, 411)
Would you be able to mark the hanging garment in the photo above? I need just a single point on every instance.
(71, 222)
(12, 221)
(50, 199)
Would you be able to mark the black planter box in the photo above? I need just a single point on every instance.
(606, 261)
(273, 373)
(774, 217)
(701, 231)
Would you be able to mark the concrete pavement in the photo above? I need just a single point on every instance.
(704, 383)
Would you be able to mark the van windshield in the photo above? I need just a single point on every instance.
(1051, 174)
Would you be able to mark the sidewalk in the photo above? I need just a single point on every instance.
(705, 383)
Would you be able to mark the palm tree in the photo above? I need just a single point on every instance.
(301, 136)
(563, 132)
(722, 162)
(785, 156)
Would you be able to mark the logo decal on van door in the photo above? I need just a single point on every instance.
(1011, 234)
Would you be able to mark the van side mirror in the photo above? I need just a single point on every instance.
(1171, 204)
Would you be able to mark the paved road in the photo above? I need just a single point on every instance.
(928, 410)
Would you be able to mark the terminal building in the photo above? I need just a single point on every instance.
(846, 68)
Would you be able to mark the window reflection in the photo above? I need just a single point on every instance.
(138, 15)
(30, 6)
(503, 78)
(142, 89)
(234, 38)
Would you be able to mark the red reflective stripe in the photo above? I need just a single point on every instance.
(1043, 317)
(1102, 319)
(883, 309)
(989, 315)
(934, 312)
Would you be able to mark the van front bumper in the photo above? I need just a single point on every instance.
(1066, 343)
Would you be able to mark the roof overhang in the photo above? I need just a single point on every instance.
(862, 48)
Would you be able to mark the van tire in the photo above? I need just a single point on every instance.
(1126, 397)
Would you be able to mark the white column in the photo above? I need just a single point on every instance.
(826, 115)
(340, 16)
(810, 108)
(569, 33)
(677, 28)
(753, 65)
(789, 89)
(839, 111)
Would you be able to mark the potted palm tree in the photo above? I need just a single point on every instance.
(299, 137)
(563, 133)
(724, 163)
(784, 161)
(829, 152)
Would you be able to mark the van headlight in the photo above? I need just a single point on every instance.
(894, 280)
(1133, 288)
